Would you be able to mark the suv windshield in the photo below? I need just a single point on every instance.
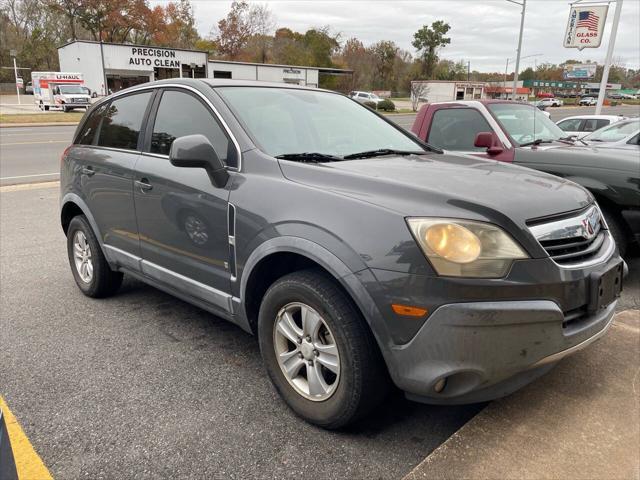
(615, 132)
(72, 90)
(525, 123)
(287, 121)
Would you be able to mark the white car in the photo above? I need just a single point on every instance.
(622, 135)
(582, 125)
(550, 102)
(588, 101)
(365, 97)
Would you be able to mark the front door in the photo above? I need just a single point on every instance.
(182, 217)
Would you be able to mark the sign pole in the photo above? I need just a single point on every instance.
(15, 71)
(607, 62)
(515, 75)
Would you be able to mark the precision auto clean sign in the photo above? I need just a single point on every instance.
(147, 58)
(586, 26)
(156, 57)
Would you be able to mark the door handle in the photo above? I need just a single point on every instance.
(88, 171)
(144, 185)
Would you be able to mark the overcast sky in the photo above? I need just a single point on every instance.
(484, 32)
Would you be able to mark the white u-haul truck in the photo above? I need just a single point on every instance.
(62, 90)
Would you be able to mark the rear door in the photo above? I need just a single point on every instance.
(182, 217)
(110, 145)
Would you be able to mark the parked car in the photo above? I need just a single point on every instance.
(582, 125)
(28, 90)
(550, 102)
(623, 134)
(519, 133)
(588, 101)
(357, 253)
(365, 97)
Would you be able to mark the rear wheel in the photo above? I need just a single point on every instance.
(88, 265)
(318, 351)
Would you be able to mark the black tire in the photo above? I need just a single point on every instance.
(363, 383)
(617, 230)
(104, 282)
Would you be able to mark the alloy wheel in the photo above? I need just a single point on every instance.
(306, 351)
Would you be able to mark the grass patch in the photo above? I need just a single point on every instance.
(41, 117)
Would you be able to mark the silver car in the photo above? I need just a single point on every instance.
(623, 134)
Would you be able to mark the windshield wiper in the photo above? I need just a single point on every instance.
(314, 157)
(381, 152)
(572, 139)
(537, 141)
(569, 140)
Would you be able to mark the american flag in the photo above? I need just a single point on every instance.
(589, 20)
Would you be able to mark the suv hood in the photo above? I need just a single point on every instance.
(457, 186)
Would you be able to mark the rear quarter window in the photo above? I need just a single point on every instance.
(88, 133)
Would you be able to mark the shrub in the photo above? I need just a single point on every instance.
(369, 104)
(386, 105)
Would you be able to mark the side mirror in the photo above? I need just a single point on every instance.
(490, 141)
(196, 151)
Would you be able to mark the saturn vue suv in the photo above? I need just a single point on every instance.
(361, 257)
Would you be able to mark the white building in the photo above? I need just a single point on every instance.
(308, 76)
(447, 91)
(120, 66)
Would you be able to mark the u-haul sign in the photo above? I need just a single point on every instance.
(586, 26)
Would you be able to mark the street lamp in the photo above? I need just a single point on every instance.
(515, 76)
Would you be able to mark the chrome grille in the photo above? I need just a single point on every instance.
(573, 239)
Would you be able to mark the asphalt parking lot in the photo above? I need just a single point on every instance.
(145, 384)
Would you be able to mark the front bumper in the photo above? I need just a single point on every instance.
(485, 350)
(488, 338)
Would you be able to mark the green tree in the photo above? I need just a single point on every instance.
(427, 41)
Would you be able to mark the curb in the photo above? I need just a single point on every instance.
(43, 124)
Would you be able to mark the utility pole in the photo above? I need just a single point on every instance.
(469, 71)
(515, 75)
(607, 62)
(15, 72)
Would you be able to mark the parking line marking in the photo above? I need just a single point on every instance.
(29, 465)
(30, 176)
(32, 143)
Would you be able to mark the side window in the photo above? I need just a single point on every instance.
(591, 124)
(181, 114)
(363, 95)
(634, 140)
(456, 129)
(571, 125)
(90, 127)
(122, 121)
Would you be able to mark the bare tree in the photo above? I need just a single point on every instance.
(419, 91)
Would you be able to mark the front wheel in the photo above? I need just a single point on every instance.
(318, 350)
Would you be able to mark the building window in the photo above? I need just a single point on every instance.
(221, 74)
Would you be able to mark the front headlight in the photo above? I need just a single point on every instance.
(464, 248)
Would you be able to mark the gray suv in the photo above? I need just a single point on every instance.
(361, 257)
